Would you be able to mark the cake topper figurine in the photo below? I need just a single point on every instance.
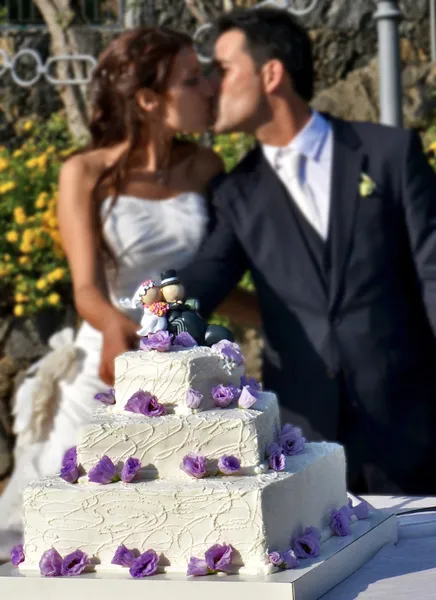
(183, 313)
(149, 297)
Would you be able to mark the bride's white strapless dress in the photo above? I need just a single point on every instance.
(147, 237)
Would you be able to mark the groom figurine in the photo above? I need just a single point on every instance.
(336, 222)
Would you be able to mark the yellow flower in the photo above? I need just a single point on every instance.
(217, 148)
(18, 153)
(4, 164)
(39, 301)
(28, 125)
(12, 236)
(41, 200)
(56, 275)
(54, 299)
(234, 137)
(23, 260)
(51, 150)
(41, 284)
(19, 215)
(21, 298)
(7, 187)
(18, 310)
(25, 248)
(366, 186)
(6, 257)
(53, 222)
(2, 148)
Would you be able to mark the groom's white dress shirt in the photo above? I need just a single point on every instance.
(309, 155)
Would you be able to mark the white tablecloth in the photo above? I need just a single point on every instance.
(403, 570)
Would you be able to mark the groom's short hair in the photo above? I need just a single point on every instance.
(273, 33)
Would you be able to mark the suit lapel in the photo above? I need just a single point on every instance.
(344, 197)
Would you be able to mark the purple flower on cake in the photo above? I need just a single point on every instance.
(283, 560)
(123, 557)
(104, 472)
(291, 440)
(144, 403)
(251, 383)
(160, 341)
(197, 567)
(17, 555)
(74, 563)
(106, 398)
(246, 398)
(219, 557)
(69, 468)
(276, 458)
(229, 465)
(193, 398)
(308, 544)
(50, 564)
(224, 395)
(360, 511)
(145, 565)
(185, 339)
(340, 521)
(229, 351)
(194, 465)
(130, 468)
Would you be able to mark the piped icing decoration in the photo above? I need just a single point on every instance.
(228, 465)
(106, 398)
(193, 398)
(145, 565)
(17, 555)
(160, 341)
(70, 469)
(217, 559)
(231, 354)
(276, 457)
(144, 403)
(283, 560)
(224, 395)
(105, 472)
(75, 563)
(307, 545)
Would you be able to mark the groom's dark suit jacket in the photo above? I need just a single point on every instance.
(356, 315)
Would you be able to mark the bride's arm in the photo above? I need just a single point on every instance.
(75, 214)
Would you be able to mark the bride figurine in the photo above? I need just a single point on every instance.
(149, 296)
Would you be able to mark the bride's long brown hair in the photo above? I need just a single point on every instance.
(138, 58)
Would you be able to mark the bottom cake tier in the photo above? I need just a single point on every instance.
(179, 520)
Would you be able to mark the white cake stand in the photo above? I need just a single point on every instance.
(340, 557)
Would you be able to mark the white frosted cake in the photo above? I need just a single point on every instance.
(210, 469)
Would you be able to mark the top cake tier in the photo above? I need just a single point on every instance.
(169, 375)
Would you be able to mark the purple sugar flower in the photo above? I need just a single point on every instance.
(307, 545)
(185, 339)
(290, 559)
(144, 403)
(276, 458)
(160, 341)
(194, 465)
(275, 558)
(230, 351)
(197, 567)
(340, 521)
(74, 563)
(130, 469)
(193, 398)
(247, 398)
(123, 557)
(17, 555)
(360, 511)
(145, 565)
(219, 557)
(106, 398)
(229, 465)
(291, 440)
(224, 395)
(50, 564)
(251, 383)
(69, 468)
(103, 472)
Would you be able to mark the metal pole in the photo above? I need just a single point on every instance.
(387, 16)
(433, 29)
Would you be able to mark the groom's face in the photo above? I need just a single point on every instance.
(238, 97)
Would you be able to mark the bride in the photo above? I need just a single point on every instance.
(130, 206)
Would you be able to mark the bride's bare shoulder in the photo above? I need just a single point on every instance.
(83, 170)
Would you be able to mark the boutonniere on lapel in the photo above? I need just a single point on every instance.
(366, 185)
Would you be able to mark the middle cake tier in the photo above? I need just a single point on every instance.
(160, 443)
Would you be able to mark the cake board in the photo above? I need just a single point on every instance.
(340, 557)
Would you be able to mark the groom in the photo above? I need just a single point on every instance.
(337, 223)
